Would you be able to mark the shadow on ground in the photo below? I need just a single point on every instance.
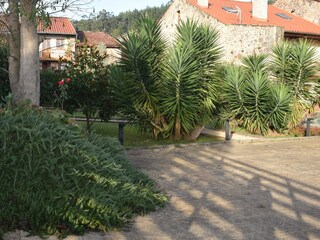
(234, 191)
(266, 190)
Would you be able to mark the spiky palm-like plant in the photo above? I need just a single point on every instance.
(136, 80)
(190, 80)
(169, 90)
(293, 64)
(251, 98)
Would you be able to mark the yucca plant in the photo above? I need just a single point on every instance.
(294, 64)
(255, 63)
(168, 90)
(252, 99)
(136, 79)
(190, 79)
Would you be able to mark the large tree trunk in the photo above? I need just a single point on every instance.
(14, 51)
(29, 52)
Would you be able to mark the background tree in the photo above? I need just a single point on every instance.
(22, 18)
(122, 23)
(168, 91)
(88, 85)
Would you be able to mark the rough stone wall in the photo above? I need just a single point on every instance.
(308, 9)
(113, 55)
(237, 41)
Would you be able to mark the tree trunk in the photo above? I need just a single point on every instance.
(29, 52)
(177, 129)
(195, 133)
(14, 51)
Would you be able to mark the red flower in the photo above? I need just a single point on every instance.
(68, 80)
(61, 82)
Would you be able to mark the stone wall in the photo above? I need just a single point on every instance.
(237, 41)
(308, 9)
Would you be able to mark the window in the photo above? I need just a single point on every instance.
(230, 10)
(284, 16)
(46, 44)
(60, 42)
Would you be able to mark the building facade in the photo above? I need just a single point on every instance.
(104, 42)
(57, 41)
(307, 9)
(244, 28)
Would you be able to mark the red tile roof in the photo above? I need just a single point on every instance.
(96, 38)
(59, 25)
(294, 25)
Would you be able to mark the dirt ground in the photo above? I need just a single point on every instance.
(264, 190)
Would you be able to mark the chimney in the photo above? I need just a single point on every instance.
(203, 3)
(260, 9)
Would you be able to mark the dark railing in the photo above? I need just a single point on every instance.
(121, 125)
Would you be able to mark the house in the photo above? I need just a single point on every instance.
(56, 41)
(104, 42)
(245, 27)
(307, 9)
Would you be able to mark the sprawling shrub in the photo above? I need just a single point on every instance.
(56, 179)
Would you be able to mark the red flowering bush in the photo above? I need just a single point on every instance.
(62, 94)
(315, 131)
(87, 85)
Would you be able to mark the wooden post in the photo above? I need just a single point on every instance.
(308, 132)
(121, 136)
(227, 130)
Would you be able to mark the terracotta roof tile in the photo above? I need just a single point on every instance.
(59, 25)
(295, 24)
(95, 38)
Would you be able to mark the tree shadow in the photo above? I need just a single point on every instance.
(227, 191)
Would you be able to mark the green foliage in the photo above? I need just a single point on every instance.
(56, 180)
(252, 99)
(120, 24)
(88, 88)
(170, 91)
(294, 65)
(4, 75)
(49, 87)
(189, 79)
(136, 80)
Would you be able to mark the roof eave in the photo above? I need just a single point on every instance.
(57, 33)
(312, 36)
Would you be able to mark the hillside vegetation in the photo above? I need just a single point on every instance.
(117, 25)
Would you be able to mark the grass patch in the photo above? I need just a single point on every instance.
(133, 138)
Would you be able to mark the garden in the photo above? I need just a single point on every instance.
(60, 176)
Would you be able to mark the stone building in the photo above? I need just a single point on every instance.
(103, 41)
(307, 9)
(245, 27)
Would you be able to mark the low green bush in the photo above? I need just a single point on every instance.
(55, 179)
